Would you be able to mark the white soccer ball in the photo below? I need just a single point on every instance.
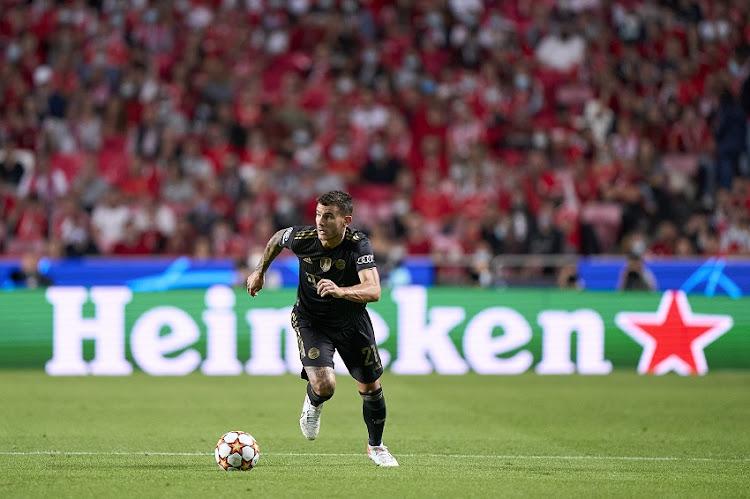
(237, 451)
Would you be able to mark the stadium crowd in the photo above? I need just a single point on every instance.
(464, 129)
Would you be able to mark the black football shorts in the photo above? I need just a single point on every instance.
(355, 344)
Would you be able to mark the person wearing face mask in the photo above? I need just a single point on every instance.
(381, 167)
(528, 94)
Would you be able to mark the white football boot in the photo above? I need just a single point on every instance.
(309, 420)
(381, 456)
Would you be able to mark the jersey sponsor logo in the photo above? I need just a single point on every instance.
(313, 353)
(285, 236)
(368, 258)
(325, 264)
(340, 264)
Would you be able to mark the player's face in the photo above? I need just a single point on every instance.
(331, 224)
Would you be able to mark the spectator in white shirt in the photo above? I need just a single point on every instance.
(108, 220)
(562, 49)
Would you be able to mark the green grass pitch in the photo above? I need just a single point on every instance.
(621, 435)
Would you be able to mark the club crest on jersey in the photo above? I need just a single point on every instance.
(340, 264)
(325, 264)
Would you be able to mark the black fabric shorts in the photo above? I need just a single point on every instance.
(355, 344)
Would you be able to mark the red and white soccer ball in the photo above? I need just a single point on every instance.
(237, 451)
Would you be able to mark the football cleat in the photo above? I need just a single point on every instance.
(381, 456)
(309, 420)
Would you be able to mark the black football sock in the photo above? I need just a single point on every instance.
(373, 412)
(315, 399)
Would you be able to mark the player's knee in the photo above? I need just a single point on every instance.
(324, 386)
(369, 387)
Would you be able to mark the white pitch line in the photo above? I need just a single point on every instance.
(83, 453)
(333, 454)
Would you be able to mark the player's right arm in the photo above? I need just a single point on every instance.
(256, 280)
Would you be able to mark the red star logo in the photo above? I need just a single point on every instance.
(673, 337)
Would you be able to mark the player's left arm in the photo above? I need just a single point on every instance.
(368, 289)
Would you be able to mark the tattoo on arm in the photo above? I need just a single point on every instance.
(272, 251)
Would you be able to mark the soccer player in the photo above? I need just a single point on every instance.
(337, 278)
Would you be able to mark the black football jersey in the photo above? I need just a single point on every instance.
(340, 264)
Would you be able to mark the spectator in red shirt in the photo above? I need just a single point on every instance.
(132, 242)
(665, 240)
(142, 180)
(29, 220)
(433, 199)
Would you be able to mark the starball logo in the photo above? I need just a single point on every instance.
(167, 340)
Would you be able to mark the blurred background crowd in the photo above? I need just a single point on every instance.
(464, 129)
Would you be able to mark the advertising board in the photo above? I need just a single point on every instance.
(112, 330)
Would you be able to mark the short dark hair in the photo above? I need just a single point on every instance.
(340, 199)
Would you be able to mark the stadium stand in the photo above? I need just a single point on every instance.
(465, 129)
